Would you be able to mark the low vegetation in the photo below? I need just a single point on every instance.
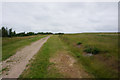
(38, 68)
(102, 65)
(41, 66)
(79, 43)
(91, 49)
(11, 45)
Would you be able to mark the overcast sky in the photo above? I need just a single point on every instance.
(60, 17)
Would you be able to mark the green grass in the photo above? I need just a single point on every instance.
(38, 68)
(91, 49)
(11, 45)
(0, 48)
(79, 43)
(102, 65)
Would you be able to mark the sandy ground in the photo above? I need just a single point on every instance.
(15, 65)
(68, 66)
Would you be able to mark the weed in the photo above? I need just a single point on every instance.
(5, 69)
(79, 43)
(91, 49)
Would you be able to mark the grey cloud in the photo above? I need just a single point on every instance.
(0, 13)
(61, 17)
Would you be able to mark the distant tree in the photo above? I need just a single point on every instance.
(10, 32)
(14, 33)
(44, 33)
(21, 34)
(48, 33)
(4, 32)
(30, 33)
(59, 33)
(0, 32)
(40, 33)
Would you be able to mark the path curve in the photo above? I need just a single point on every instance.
(16, 64)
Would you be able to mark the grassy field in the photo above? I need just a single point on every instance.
(103, 64)
(97, 53)
(11, 45)
(39, 66)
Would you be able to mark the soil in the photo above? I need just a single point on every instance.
(68, 66)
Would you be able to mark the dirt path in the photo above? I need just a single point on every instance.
(67, 65)
(15, 65)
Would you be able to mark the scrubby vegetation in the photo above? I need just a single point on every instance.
(91, 49)
(79, 43)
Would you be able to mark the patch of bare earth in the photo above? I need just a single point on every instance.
(15, 65)
(68, 66)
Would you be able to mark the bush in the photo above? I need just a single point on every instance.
(91, 49)
(79, 43)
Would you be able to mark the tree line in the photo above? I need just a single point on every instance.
(5, 32)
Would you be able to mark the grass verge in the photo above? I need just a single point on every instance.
(11, 45)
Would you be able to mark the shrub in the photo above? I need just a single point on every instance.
(78, 56)
(91, 49)
(79, 43)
